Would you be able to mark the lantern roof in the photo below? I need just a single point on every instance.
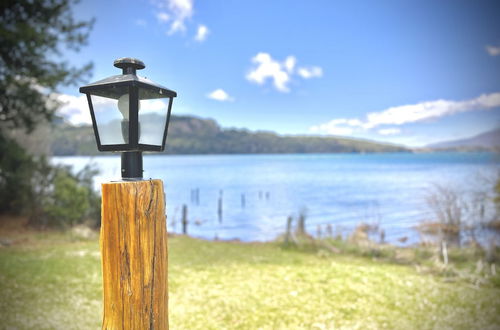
(123, 80)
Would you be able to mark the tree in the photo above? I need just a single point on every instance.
(33, 34)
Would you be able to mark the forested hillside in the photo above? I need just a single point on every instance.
(489, 140)
(191, 135)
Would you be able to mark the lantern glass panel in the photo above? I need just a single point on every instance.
(111, 119)
(152, 120)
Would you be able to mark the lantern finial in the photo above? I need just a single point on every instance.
(129, 64)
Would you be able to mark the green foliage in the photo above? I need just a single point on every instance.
(33, 34)
(49, 195)
(85, 178)
(16, 167)
(63, 199)
(41, 182)
(69, 200)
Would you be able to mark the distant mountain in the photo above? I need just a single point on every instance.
(192, 135)
(487, 141)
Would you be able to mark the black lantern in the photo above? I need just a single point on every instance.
(130, 114)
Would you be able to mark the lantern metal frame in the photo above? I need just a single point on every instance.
(115, 86)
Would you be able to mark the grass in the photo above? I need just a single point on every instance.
(53, 281)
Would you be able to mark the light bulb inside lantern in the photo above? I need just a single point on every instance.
(123, 106)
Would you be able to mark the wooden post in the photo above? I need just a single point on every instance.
(134, 255)
(444, 250)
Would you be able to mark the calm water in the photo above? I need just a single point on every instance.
(338, 189)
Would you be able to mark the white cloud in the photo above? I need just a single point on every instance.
(334, 127)
(74, 109)
(290, 62)
(266, 68)
(269, 68)
(409, 114)
(220, 95)
(174, 12)
(312, 72)
(181, 10)
(389, 131)
(202, 33)
(177, 13)
(493, 50)
(162, 17)
(428, 110)
(153, 106)
(341, 131)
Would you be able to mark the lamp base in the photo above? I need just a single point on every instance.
(132, 166)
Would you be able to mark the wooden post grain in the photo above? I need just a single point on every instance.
(134, 255)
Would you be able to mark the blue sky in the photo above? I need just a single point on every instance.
(409, 72)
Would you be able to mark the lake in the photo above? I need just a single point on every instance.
(259, 192)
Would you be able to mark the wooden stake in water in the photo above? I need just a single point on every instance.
(243, 201)
(288, 229)
(219, 206)
(195, 196)
(133, 246)
(329, 231)
(184, 219)
(301, 224)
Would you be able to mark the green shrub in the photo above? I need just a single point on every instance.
(69, 200)
(51, 196)
(16, 167)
